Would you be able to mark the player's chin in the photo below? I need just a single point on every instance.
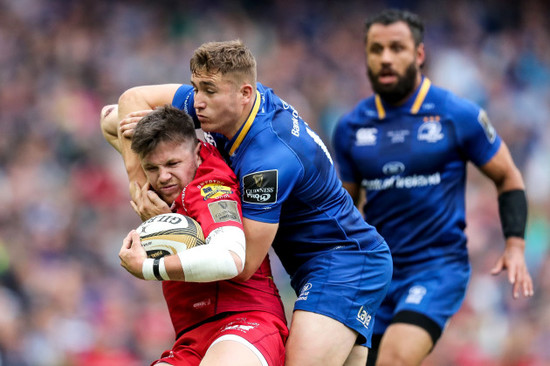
(170, 198)
(385, 88)
(206, 125)
(207, 121)
(168, 195)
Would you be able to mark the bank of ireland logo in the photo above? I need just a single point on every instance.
(304, 292)
(430, 131)
(366, 136)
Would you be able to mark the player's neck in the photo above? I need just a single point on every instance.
(417, 83)
(242, 119)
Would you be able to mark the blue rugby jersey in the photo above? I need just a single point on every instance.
(287, 176)
(411, 160)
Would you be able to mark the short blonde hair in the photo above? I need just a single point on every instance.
(231, 58)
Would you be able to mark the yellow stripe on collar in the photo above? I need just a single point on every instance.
(426, 83)
(247, 124)
(421, 95)
(379, 107)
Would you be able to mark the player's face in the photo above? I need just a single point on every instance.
(170, 167)
(393, 61)
(219, 103)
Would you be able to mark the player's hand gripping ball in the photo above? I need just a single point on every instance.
(169, 233)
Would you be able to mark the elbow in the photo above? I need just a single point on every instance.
(108, 120)
(245, 274)
(105, 115)
(242, 273)
(239, 266)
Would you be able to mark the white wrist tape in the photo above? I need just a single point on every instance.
(147, 269)
(162, 270)
(214, 261)
(154, 269)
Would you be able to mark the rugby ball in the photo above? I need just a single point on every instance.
(169, 233)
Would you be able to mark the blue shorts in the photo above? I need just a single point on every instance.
(345, 285)
(434, 290)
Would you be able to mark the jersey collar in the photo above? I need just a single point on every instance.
(246, 126)
(417, 103)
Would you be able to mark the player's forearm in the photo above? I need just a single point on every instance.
(222, 258)
(130, 101)
(133, 166)
(259, 237)
(512, 207)
(511, 180)
(109, 125)
(136, 99)
(146, 97)
(502, 170)
(173, 268)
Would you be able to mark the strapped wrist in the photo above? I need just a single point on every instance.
(154, 269)
(512, 207)
(147, 269)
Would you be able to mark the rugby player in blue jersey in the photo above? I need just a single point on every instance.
(408, 147)
(340, 267)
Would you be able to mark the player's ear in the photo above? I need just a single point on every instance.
(197, 154)
(247, 92)
(420, 55)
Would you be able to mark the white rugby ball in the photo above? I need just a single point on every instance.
(169, 233)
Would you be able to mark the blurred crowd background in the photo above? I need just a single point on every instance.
(64, 206)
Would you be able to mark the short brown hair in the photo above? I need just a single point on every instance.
(228, 57)
(163, 124)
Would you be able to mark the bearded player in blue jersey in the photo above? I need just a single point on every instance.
(408, 146)
(340, 267)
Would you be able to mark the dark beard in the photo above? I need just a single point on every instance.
(394, 94)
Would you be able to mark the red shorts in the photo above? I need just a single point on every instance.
(262, 332)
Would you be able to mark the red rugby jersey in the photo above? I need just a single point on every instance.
(212, 198)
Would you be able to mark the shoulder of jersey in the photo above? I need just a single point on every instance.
(364, 109)
(445, 102)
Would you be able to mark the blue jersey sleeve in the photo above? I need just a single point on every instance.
(184, 99)
(268, 177)
(341, 141)
(477, 137)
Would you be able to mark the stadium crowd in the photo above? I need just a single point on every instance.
(64, 205)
